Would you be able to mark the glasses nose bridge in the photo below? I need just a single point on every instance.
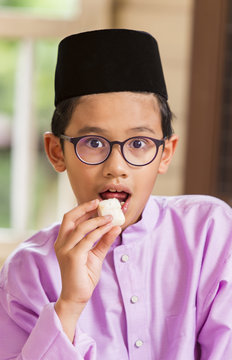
(116, 142)
(118, 164)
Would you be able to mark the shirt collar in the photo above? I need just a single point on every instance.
(145, 225)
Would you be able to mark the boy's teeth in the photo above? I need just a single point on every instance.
(122, 203)
(111, 190)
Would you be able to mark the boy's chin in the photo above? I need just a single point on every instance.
(130, 222)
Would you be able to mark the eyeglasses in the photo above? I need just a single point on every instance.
(94, 150)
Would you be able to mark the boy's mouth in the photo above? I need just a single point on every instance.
(122, 196)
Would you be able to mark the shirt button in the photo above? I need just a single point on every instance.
(138, 343)
(124, 258)
(134, 299)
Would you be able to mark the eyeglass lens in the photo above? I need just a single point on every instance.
(137, 151)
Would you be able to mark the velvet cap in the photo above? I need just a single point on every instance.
(109, 60)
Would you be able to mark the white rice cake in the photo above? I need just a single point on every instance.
(112, 207)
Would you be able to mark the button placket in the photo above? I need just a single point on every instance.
(132, 296)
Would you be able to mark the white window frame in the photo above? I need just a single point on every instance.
(28, 28)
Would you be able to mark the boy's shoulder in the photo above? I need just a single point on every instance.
(38, 249)
(40, 241)
(193, 203)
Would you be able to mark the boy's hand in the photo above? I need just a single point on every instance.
(79, 260)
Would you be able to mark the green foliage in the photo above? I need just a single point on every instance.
(44, 77)
(45, 59)
(44, 82)
(49, 7)
(5, 188)
(15, 3)
(8, 51)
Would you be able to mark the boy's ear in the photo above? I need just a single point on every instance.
(54, 151)
(170, 147)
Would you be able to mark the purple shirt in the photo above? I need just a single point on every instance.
(165, 291)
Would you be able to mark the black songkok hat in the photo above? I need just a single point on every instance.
(110, 60)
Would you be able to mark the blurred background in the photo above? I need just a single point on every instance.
(195, 41)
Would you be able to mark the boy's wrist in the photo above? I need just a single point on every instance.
(69, 308)
(69, 313)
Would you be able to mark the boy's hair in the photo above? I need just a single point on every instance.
(64, 111)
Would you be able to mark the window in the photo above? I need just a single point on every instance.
(53, 8)
(32, 195)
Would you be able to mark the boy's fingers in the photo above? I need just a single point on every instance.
(74, 216)
(81, 210)
(90, 230)
(102, 247)
(87, 243)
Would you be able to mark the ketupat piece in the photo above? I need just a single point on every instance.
(112, 207)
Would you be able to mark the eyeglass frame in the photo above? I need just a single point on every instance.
(75, 140)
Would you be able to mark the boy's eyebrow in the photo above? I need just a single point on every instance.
(90, 129)
(95, 129)
(142, 129)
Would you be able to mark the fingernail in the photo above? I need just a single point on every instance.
(108, 217)
(109, 225)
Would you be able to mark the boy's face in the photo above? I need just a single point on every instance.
(115, 116)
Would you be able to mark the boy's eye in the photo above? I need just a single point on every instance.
(137, 143)
(94, 143)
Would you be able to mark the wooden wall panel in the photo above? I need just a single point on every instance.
(205, 100)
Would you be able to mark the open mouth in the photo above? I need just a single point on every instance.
(122, 196)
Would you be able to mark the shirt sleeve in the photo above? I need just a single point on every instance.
(46, 340)
(30, 328)
(214, 298)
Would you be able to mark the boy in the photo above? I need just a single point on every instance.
(159, 287)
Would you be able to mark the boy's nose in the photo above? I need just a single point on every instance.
(115, 165)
